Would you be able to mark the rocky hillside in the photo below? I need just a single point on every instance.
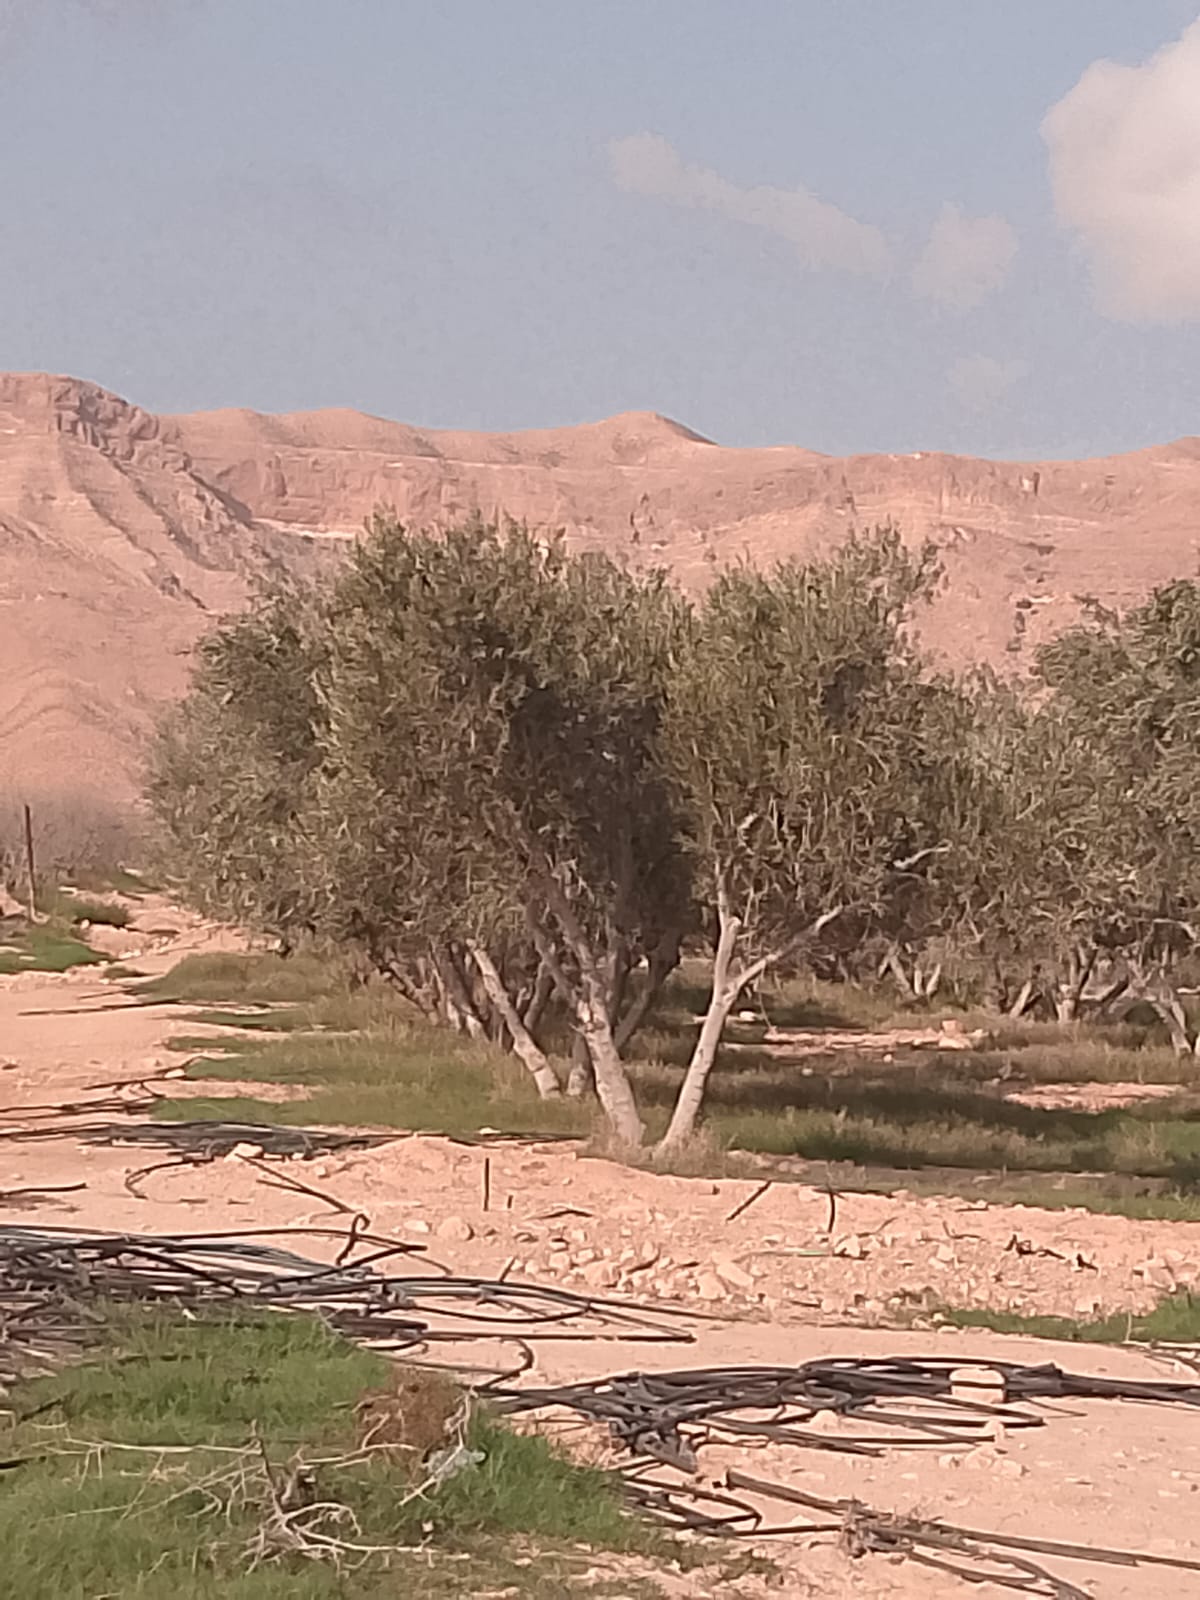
(123, 534)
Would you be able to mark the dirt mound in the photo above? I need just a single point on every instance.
(123, 535)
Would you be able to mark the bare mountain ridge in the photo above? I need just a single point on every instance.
(124, 534)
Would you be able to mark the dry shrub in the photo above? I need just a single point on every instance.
(416, 1413)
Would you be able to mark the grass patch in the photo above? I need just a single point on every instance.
(131, 1516)
(284, 1019)
(44, 947)
(938, 1123)
(203, 1044)
(407, 1075)
(1175, 1320)
(61, 905)
(112, 880)
(232, 978)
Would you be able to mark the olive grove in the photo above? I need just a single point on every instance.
(518, 783)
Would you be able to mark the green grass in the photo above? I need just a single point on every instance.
(406, 1075)
(281, 1019)
(104, 1506)
(1175, 1320)
(44, 947)
(927, 1120)
(228, 978)
(61, 905)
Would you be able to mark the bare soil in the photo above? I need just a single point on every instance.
(775, 1284)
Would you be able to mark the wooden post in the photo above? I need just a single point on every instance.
(30, 873)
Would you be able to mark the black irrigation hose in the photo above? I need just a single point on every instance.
(202, 1141)
(663, 1417)
(49, 1277)
(666, 1414)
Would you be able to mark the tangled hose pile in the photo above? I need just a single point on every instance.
(56, 1287)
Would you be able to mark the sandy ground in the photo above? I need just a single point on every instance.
(1121, 1475)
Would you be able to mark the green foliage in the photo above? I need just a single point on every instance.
(143, 1475)
(795, 738)
(516, 781)
(44, 947)
(229, 774)
(64, 906)
(230, 977)
(1175, 1320)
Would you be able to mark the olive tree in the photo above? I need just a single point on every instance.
(230, 775)
(491, 769)
(1128, 688)
(1021, 886)
(793, 741)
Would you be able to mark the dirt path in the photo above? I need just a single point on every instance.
(1118, 1475)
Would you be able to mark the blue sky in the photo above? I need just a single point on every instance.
(847, 224)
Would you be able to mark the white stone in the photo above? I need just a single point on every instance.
(732, 1273)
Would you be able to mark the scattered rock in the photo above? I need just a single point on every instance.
(732, 1273)
(456, 1229)
(599, 1275)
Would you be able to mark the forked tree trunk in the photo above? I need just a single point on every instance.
(589, 1001)
(524, 1046)
(1169, 1009)
(729, 979)
(921, 984)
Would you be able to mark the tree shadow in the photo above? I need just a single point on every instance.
(916, 1115)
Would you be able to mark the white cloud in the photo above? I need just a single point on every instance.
(1124, 148)
(820, 234)
(965, 260)
(980, 383)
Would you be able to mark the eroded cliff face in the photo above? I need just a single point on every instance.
(124, 534)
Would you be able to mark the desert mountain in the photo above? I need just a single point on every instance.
(123, 535)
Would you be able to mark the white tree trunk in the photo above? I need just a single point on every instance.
(727, 984)
(523, 1043)
(589, 1000)
(1069, 992)
(1171, 1013)
(1024, 999)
